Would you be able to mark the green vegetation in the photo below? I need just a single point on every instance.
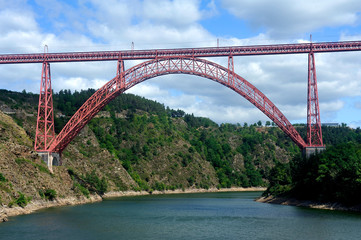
(48, 194)
(142, 137)
(334, 175)
(21, 200)
(42, 167)
(90, 183)
(2, 178)
(4, 185)
(81, 189)
(95, 183)
(23, 100)
(21, 160)
(165, 149)
(136, 131)
(331, 176)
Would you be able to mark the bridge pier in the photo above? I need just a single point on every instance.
(51, 159)
(309, 151)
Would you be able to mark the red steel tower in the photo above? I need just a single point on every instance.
(45, 133)
(314, 132)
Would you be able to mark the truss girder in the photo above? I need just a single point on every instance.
(164, 66)
(187, 52)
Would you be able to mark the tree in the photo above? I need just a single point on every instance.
(331, 176)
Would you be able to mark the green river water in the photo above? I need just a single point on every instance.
(229, 215)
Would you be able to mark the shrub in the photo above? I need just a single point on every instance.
(82, 189)
(42, 168)
(20, 160)
(100, 185)
(22, 200)
(2, 178)
(88, 183)
(11, 204)
(71, 172)
(159, 186)
(48, 194)
(41, 193)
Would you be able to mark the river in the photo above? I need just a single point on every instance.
(227, 215)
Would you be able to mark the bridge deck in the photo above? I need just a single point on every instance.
(187, 52)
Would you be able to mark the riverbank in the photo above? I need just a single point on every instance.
(309, 204)
(6, 212)
(180, 191)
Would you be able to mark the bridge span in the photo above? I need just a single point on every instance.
(299, 48)
(174, 61)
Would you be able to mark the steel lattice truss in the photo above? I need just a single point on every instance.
(45, 133)
(314, 131)
(186, 52)
(171, 61)
(171, 65)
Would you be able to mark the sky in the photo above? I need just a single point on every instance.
(98, 25)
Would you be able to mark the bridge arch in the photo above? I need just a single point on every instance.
(171, 65)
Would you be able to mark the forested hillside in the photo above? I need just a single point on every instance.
(136, 144)
(331, 176)
(142, 134)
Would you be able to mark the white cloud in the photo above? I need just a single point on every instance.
(148, 24)
(148, 90)
(346, 37)
(283, 18)
(160, 35)
(90, 25)
(177, 13)
(11, 21)
(332, 106)
(77, 83)
(199, 104)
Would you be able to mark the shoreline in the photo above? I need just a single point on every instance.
(180, 191)
(308, 204)
(33, 206)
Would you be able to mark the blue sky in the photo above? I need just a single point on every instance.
(92, 25)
